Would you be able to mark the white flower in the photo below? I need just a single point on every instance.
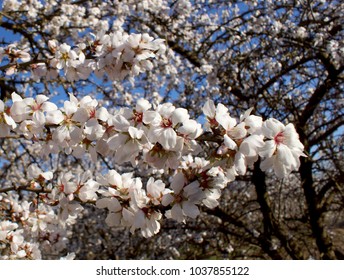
(65, 57)
(119, 185)
(30, 128)
(283, 150)
(86, 186)
(163, 127)
(5, 228)
(35, 173)
(184, 199)
(93, 129)
(160, 158)
(65, 185)
(127, 145)
(6, 121)
(213, 114)
(30, 108)
(141, 114)
(15, 54)
(156, 190)
(189, 131)
(253, 123)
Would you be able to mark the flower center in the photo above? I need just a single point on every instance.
(213, 122)
(92, 112)
(64, 56)
(165, 123)
(138, 117)
(279, 138)
(36, 107)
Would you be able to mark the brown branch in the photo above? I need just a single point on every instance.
(322, 238)
(271, 226)
(24, 188)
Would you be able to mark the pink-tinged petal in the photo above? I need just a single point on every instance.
(134, 40)
(102, 114)
(225, 121)
(238, 132)
(128, 216)
(254, 123)
(114, 178)
(250, 146)
(229, 143)
(192, 188)
(168, 138)
(268, 149)
(221, 110)
(73, 99)
(167, 199)
(113, 219)
(48, 106)
(19, 109)
(272, 127)
(93, 129)
(126, 152)
(156, 188)
(114, 206)
(279, 168)
(41, 98)
(285, 155)
(151, 188)
(150, 116)
(117, 141)
(47, 175)
(54, 117)
(246, 114)
(209, 109)
(190, 209)
(103, 203)
(139, 220)
(166, 110)
(135, 133)
(240, 164)
(177, 213)
(81, 115)
(179, 116)
(267, 163)
(188, 127)
(88, 101)
(24, 56)
(60, 134)
(70, 107)
(142, 105)
(10, 121)
(93, 153)
(29, 101)
(16, 97)
(76, 134)
(79, 151)
(120, 123)
(178, 182)
(39, 117)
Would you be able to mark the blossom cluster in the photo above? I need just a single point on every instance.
(117, 55)
(11, 236)
(163, 137)
(159, 136)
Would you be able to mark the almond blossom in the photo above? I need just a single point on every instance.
(283, 150)
(6, 121)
